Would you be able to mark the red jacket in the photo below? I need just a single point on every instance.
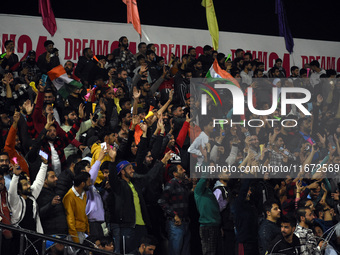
(12, 152)
(39, 121)
(5, 213)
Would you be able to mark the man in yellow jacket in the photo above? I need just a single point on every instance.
(75, 203)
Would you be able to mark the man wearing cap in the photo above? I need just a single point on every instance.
(29, 68)
(49, 59)
(128, 212)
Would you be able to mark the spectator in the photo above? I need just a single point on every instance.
(21, 198)
(129, 220)
(5, 214)
(147, 246)
(10, 60)
(245, 215)
(278, 64)
(123, 56)
(287, 242)
(174, 202)
(86, 68)
(294, 70)
(309, 243)
(75, 202)
(51, 210)
(12, 146)
(54, 146)
(206, 58)
(29, 69)
(94, 204)
(141, 49)
(210, 218)
(245, 75)
(70, 117)
(65, 179)
(269, 229)
(316, 72)
(49, 59)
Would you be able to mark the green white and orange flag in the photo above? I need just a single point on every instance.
(212, 22)
(133, 15)
(61, 81)
(216, 72)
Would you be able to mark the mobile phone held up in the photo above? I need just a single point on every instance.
(43, 154)
(43, 80)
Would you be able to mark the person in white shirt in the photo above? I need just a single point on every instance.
(202, 140)
(246, 74)
(316, 72)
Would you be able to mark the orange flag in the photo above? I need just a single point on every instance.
(133, 15)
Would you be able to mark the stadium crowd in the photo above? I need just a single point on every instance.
(104, 161)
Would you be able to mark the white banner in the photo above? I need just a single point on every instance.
(73, 36)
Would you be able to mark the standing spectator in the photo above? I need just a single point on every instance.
(192, 53)
(4, 166)
(123, 56)
(22, 200)
(278, 64)
(227, 242)
(152, 66)
(269, 229)
(51, 210)
(309, 244)
(287, 242)
(239, 53)
(29, 68)
(206, 58)
(86, 68)
(5, 215)
(75, 204)
(128, 212)
(10, 60)
(49, 59)
(94, 206)
(70, 117)
(245, 74)
(65, 179)
(248, 56)
(54, 146)
(210, 218)
(12, 144)
(294, 70)
(174, 202)
(316, 72)
(141, 49)
(245, 215)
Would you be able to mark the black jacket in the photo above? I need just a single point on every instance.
(280, 246)
(86, 69)
(64, 183)
(120, 200)
(44, 66)
(267, 232)
(53, 218)
(245, 216)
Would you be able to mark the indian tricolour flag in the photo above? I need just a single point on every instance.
(60, 80)
(59, 76)
(216, 72)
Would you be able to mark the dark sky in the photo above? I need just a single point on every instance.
(307, 19)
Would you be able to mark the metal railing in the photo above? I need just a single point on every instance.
(44, 238)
